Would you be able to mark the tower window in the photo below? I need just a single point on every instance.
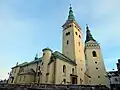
(79, 36)
(67, 41)
(76, 33)
(94, 54)
(68, 33)
(98, 76)
(75, 26)
(81, 69)
(67, 26)
(96, 67)
(79, 43)
(95, 62)
(64, 69)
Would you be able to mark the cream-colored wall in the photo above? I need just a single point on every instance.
(14, 73)
(59, 75)
(68, 49)
(79, 54)
(28, 79)
(86, 79)
(44, 69)
(38, 78)
(91, 65)
(33, 66)
(73, 50)
(46, 59)
(51, 72)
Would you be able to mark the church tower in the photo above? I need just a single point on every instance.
(72, 45)
(94, 62)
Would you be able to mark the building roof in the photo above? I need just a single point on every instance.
(71, 18)
(61, 56)
(55, 55)
(47, 49)
(28, 63)
(113, 73)
(89, 36)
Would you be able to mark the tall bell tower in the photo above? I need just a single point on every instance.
(72, 44)
(94, 61)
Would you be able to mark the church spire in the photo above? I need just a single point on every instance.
(88, 35)
(71, 15)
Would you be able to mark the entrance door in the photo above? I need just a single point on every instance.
(74, 80)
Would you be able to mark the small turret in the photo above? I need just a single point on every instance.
(47, 52)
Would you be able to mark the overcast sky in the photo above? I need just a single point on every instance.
(28, 26)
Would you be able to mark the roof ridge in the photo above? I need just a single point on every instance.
(65, 56)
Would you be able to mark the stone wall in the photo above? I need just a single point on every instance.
(51, 87)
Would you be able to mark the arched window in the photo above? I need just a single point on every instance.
(79, 43)
(94, 54)
(81, 81)
(64, 69)
(67, 41)
(72, 70)
(64, 81)
(38, 67)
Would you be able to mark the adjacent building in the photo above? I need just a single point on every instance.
(77, 64)
(114, 77)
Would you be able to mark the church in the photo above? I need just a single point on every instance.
(79, 63)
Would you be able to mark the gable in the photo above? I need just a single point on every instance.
(28, 63)
(62, 57)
